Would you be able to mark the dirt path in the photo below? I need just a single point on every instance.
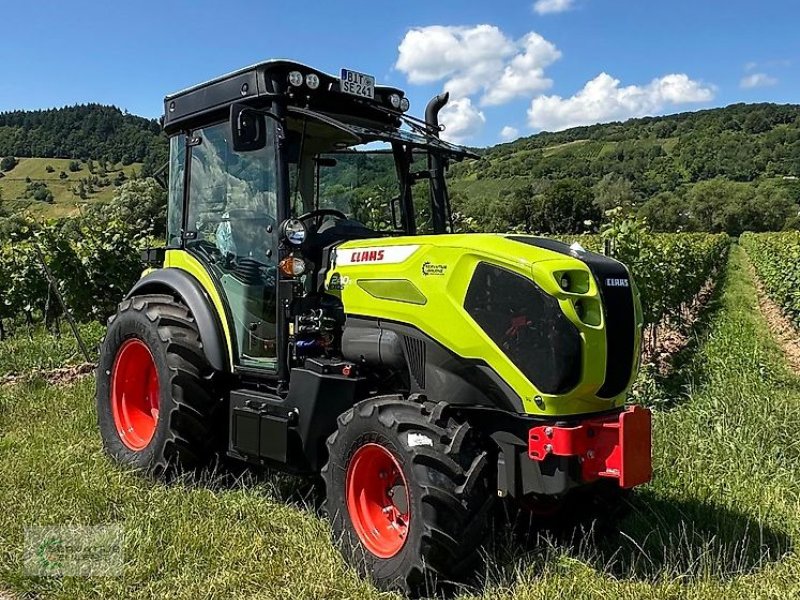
(59, 376)
(785, 333)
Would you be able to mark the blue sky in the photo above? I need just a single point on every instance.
(513, 67)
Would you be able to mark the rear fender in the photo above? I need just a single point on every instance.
(189, 290)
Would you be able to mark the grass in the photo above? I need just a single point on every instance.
(65, 201)
(29, 351)
(720, 519)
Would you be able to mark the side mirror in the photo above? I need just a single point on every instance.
(248, 128)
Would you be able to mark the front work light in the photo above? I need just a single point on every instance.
(312, 81)
(394, 100)
(295, 78)
(294, 231)
(404, 104)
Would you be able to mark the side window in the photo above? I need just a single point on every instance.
(177, 168)
(231, 227)
(232, 200)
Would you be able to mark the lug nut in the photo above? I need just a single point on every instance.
(548, 431)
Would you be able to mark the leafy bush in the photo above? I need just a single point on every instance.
(94, 258)
(670, 269)
(776, 257)
(8, 163)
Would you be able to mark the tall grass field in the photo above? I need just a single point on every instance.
(721, 518)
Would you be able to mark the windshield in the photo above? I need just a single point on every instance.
(362, 184)
(361, 172)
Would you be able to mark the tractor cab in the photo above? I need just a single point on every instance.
(273, 166)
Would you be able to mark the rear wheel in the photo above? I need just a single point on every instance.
(156, 403)
(408, 492)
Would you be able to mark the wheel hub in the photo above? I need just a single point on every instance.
(378, 500)
(135, 394)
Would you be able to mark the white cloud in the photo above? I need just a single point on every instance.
(546, 7)
(525, 73)
(478, 58)
(461, 120)
(463, 55)
(509, 133)
(756, 80)
(602, 99)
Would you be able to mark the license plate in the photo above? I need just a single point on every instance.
(358, 84)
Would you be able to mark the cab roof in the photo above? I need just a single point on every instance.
(262, 83)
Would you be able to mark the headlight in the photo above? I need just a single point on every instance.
(312, 81)
(394, 100)
(295, 78)
(294, 231)
(404, 104)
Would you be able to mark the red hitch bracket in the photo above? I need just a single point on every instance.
(616, 447)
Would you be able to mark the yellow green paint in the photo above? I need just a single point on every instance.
(180, 259)
(441, 270)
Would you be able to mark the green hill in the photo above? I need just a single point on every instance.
(726, 169)
(74, 156)
(666, 167)
(68, 190)
(83, 131)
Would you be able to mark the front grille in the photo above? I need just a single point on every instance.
(528, 326)
(618, 308)
(615, 289)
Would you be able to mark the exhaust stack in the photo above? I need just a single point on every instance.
(440, 203)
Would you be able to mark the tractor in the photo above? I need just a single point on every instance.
(315, 310)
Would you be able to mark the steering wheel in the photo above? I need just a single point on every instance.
(319, 215)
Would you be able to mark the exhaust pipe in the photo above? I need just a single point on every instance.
(440, 203)
(432, 111)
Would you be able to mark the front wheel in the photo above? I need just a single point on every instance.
(409, 492)
(156, 406)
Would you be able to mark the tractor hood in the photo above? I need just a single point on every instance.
(545, 317)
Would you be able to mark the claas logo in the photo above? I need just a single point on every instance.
(367, 256)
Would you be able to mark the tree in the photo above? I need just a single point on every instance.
(8, 163)
(613, 191)
(566, 207)
(49, 169)
(141, 203)
(74, 166)
(42, 194)
(62, 175)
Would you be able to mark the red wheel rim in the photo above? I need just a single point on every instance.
(135, 394)
(378, 500)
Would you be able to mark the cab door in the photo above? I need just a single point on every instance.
(230, 226)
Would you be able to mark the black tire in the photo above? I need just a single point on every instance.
(449, 486)
(190, 420)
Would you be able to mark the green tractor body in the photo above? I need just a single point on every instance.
(301, 323)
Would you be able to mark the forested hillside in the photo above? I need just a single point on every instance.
(90, 131)
(722, 170)
(726, 169)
